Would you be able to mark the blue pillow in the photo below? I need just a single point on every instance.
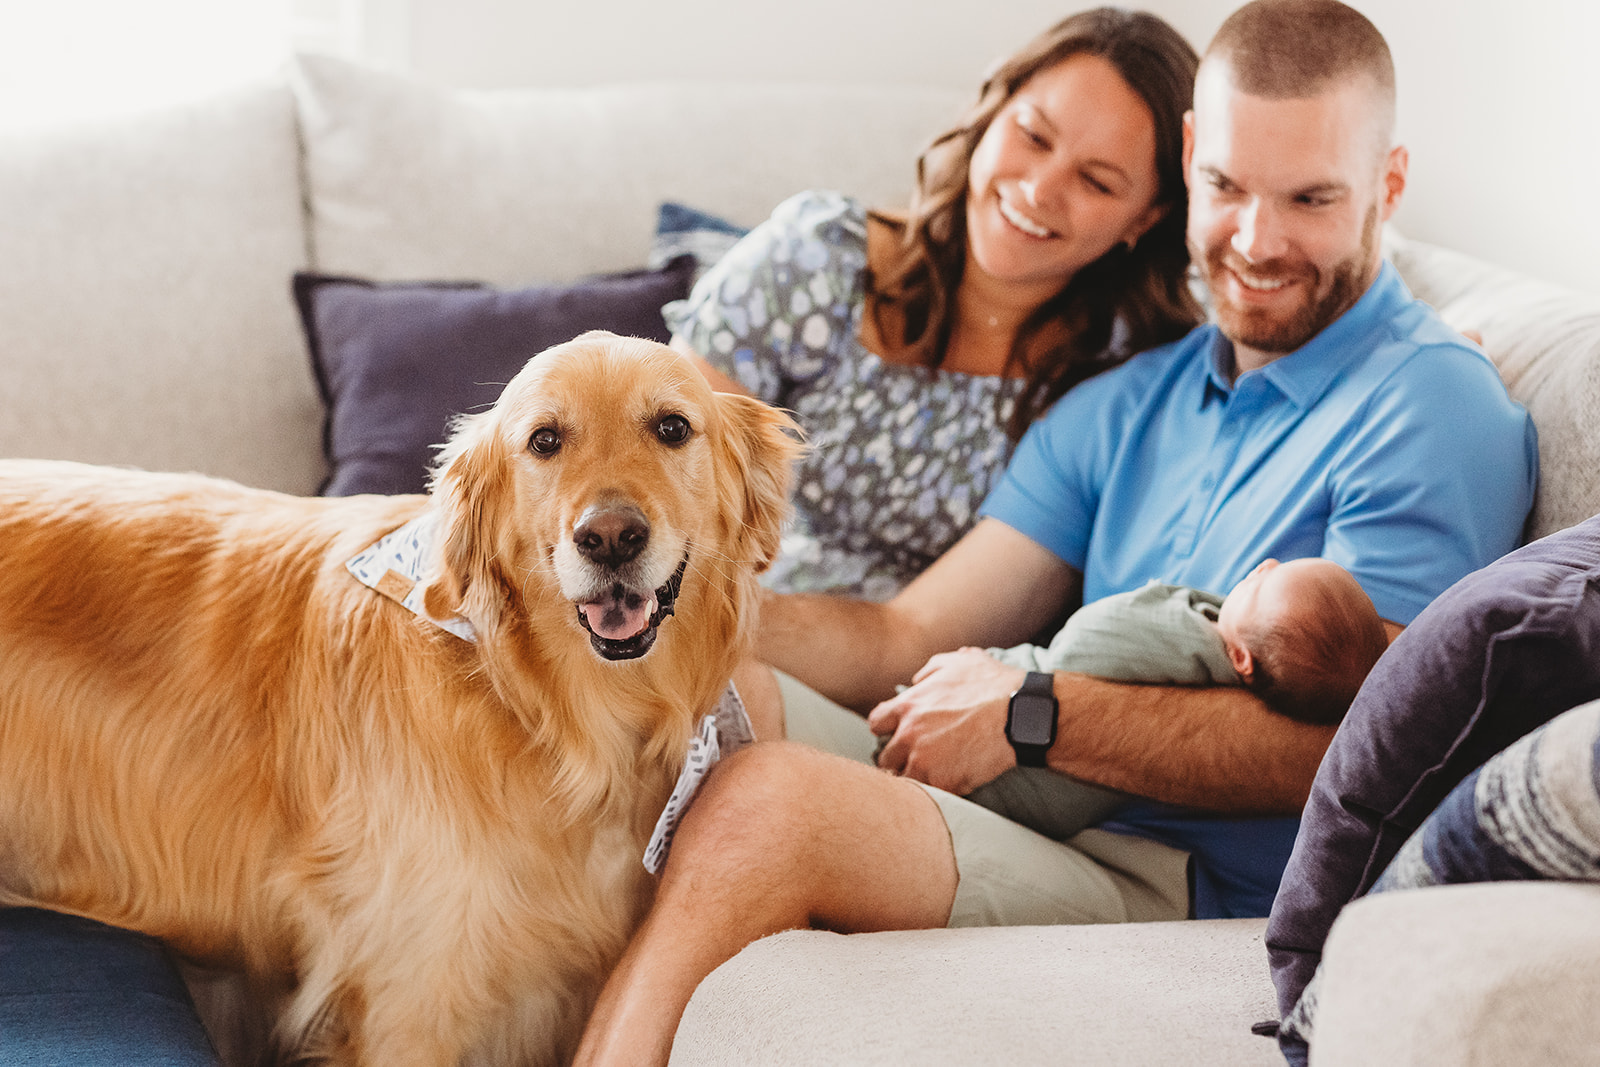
(1498, 654)
(396, 362)
(682, 230)
(75, 991)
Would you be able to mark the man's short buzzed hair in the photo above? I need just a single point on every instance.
(1293, 49)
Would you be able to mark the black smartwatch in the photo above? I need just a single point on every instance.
(1031, 722)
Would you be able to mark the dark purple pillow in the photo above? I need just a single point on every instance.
(1504, 650)
(397, 361)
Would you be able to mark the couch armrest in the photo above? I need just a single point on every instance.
(1499, 973)
(1181, 992)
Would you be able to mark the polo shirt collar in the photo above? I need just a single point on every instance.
(1309, 371)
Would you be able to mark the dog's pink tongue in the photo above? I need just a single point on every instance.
(619, 617)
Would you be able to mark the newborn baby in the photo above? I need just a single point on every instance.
(1302, 635)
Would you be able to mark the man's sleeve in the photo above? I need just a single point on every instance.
(1435, 482)
(1049, 491)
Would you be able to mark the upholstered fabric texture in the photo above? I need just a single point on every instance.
(1483, 974)
(514, 186)
(1133, 994)
(145, 316)
(76, 992)
(1498, 654)
(397, 362)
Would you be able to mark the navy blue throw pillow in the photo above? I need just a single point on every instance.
(397, 361)
(1503, 651)
(75, 991)
(687, 231)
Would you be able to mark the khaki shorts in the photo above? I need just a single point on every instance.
(1010, 875)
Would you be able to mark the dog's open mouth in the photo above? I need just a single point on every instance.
(622, 622)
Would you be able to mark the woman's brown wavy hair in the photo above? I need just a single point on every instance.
(1146, 287)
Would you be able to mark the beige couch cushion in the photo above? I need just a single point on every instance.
(1480, 974)
(513, 186)
(1135, 994)
(145, 313)
(1546, 342)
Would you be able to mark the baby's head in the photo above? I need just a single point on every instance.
(1303, 636)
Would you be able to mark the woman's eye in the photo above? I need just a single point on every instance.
(545, 441)
(672, 430)
(1032, 135)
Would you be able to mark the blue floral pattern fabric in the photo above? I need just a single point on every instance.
(900, 456)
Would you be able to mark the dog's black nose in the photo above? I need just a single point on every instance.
(611, 535)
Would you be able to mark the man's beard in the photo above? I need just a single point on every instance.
(1277, 334)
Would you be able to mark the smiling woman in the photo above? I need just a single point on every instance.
(1043, 244)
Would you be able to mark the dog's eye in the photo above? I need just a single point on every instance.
(672, 430)
(546, 441)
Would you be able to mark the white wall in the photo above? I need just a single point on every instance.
(1499, 99)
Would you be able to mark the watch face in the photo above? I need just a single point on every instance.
(1033, 719)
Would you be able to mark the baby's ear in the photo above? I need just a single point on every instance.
(1242, 661)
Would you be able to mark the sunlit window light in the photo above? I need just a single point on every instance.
(73, 58)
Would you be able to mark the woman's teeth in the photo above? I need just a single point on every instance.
(1022, 222)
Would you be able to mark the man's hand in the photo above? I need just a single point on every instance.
(948, 728)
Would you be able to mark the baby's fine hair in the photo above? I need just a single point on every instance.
(1309, 663)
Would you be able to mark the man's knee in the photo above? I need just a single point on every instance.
(757, 809)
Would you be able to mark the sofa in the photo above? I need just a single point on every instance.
(150, 316)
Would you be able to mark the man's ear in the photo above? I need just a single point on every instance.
(1242, 661)
(1394, 179)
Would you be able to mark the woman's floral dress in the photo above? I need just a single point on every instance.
(900, 456)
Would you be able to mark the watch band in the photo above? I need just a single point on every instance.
(1031, 719)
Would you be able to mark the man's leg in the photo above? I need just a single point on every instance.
(781, 837)
(813, 719)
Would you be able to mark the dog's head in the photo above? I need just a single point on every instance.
(609, 476)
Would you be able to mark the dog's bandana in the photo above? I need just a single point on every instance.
(726, 730)
(394, 567)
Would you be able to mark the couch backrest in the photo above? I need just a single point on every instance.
(1546, 342)
(145, 316)
(145, 308)
(513, 186)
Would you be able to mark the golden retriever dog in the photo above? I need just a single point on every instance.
(418, 848)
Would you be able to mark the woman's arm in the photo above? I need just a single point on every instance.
(719, 382)
(993, 587)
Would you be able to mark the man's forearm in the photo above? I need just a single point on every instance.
(1212, 747)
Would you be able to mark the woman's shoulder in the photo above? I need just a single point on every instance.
(825, 214)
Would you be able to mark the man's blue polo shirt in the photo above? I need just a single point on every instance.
(1386, 444)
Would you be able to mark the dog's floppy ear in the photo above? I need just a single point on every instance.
(757, 450)
(471, 486)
